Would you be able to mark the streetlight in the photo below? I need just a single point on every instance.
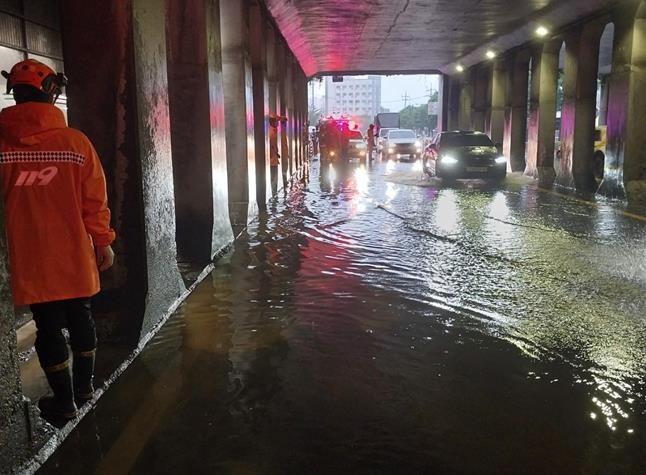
(542, 31)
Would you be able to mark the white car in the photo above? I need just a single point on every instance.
(382, 137)
(401, 144)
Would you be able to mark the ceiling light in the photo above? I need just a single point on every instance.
(459, 68)
(542, 31)
(490, 54)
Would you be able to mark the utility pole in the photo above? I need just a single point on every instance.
(405, 98)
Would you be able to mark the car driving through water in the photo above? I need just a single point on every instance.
(401, 144)
(464, 154)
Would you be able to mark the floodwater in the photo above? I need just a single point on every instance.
(379, 322)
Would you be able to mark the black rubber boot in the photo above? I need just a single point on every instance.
(61, 406)
(83, 371)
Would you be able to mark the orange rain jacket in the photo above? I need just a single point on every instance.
(55, 205)
(274, 156)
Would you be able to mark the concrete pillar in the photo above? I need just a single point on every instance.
(515, 131)
(301, 118)
(579, 108)
(238, 111)
(197, 128)
(495, 118)
(222, 231)
(542, 113)
(296, 114)
(282, 111)
(291, 113)
(563, 167)
(285, 111)
(603, 100)
(132, 137)
(258, 45)
(466, 101)
(625, 167)
(275, 178)
(480, 97)
(452, 85)
(443, 99)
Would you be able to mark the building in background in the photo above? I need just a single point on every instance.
(358, 97)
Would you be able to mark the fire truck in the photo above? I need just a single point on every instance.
(334, 138)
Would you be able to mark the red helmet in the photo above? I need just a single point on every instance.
(36, 74)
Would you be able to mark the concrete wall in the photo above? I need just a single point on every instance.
(14, 438)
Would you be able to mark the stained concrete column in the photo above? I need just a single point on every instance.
(296, 114)
(626, 141)
(452, 86)
(603, 100)
(495, 119)
(466, 100)
(258, 47)
(480, 93)
(579, 108)
(238, 112)
(14, 422)
(281, 108)
(542, 113)
(515, 131)
(443, 99)
(275, 178)
(286, 101)
(197, 128)
(564, 176)
(291, 112)
(132, 136)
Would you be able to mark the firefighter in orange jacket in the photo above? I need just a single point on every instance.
(284, 144)
(58, 230)
(274, 156)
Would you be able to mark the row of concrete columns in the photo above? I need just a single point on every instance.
(175, 95)
(513, 99)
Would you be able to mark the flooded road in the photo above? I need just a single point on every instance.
(379, 322)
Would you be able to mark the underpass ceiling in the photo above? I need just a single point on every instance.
(411, 36)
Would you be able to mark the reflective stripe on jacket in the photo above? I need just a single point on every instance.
(55, 205)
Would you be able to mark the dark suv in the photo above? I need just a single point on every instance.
(464, 154)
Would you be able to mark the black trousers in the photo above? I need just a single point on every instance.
(51, 318)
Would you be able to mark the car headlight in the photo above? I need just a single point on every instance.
(332, 154)
(500, 160)
(391, 150)
(418, 144)
(449, 160)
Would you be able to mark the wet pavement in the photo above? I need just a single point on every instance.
(379, 322)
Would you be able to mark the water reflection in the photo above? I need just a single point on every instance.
(447, 213)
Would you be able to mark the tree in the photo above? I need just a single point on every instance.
(414, 117)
